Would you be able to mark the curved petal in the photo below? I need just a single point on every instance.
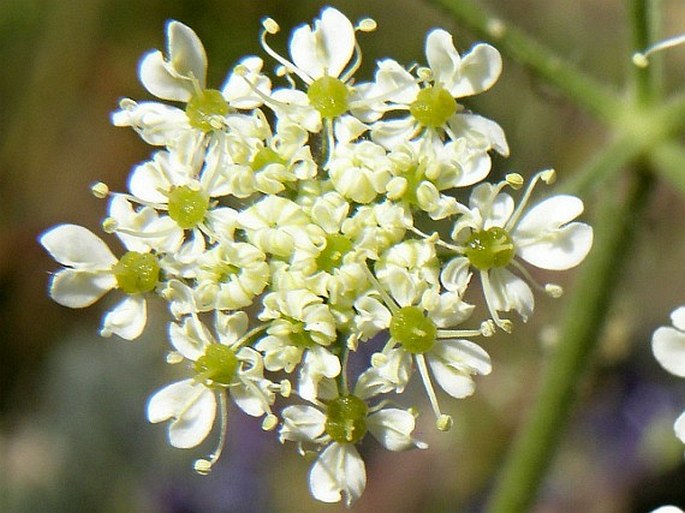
(454, 361)
(668, 346)
(678, 318)
(302, 423)
(338, 471)
(558, 250)
(549, 215)
(77, 247)
(443, 58)
(480, 69)
(127, 319)
(158, 80)
(79, 289)
(192, 408)
(393, 427)
(679, 427)
(190, 338)
(186, 53)
(327, 49)
(509, 292)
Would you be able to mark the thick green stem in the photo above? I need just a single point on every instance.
(513, 42)
(588, 306)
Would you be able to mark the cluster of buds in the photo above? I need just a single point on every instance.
(285, 227)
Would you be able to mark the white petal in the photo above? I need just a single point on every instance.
(339, 470)
(668, 509)
(251, 399)
(509, 292)
(443, 58)
(156, 78)
(679, 427)
(186, 52)
(480, 69)
(127, 319)
(550, 214)
(392, 427)
(454, 361)
(190, 338)
(78, 289)
(455, 276)
(668, 346)
(77, 246)
(678, 318)
(302, 423)
(171, 79)
(325, 50)
(558, 251)
(192, 408)
(480, 132)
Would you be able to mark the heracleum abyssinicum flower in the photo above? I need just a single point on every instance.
(289, 211)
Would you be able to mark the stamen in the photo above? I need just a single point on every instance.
(99, 190)
(367, 25)
(389, 301)
(282, 60)
(640, 59)
(514, 180)
(435, 239)
(269, 422)
(443, 422)
(204, 466)
(356, 63)
(174, 357)
(505, 324)
(270, 25)
(548, 176)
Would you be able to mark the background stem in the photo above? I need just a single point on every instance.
(534, 447)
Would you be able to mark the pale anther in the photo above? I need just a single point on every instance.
(549, 176)
(100, 190)
(270, 25)
(367, 25)
(269, 422)
(514, 180)
(444, 422)
(202, 466)
(554, 290)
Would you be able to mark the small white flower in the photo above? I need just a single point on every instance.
(337, 426)
(433, 109)
(226, 365)
(494, 234)
(92, 270)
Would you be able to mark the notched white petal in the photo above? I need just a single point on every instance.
(127, 319)
(339, 471)
(668, 346)
(78, 247)
(190, 406)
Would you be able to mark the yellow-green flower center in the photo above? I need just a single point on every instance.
(219, 365)
(346, 419)
(332, 254)
(433, 107)
(264, 157)
(329, 96)
(137, 272)
(413, 330)
(490, 248)
(206, 109)
(187, 206)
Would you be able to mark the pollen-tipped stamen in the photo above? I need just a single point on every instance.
(203, 466)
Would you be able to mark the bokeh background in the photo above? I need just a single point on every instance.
(73, 436)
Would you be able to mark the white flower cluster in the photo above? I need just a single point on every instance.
(301, 205)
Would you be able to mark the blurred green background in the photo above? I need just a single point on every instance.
(73, 436)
